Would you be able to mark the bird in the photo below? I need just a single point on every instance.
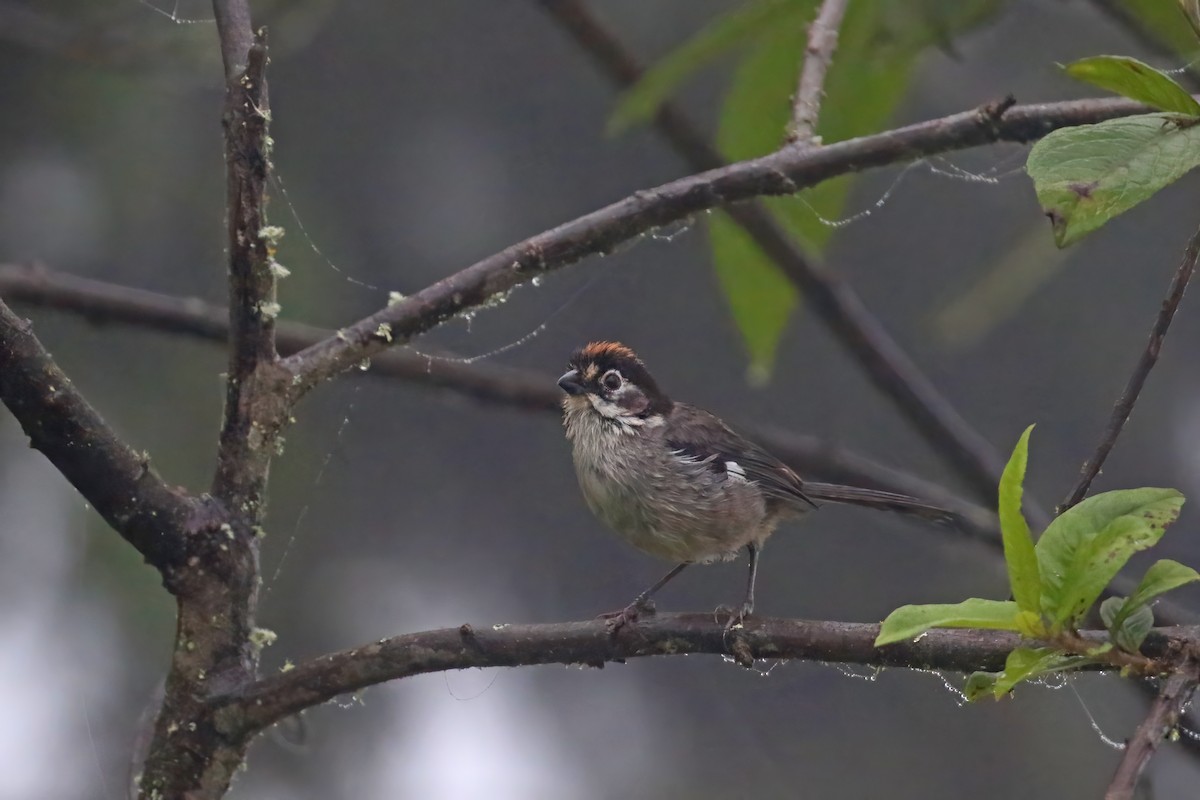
(675, 481)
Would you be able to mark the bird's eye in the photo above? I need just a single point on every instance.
(611, 380)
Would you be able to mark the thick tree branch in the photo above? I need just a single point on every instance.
(214, 644)
(321, 679)
(254, 403)
(810, 89)
(1145, 363)
(117, 481)
(1164, 715)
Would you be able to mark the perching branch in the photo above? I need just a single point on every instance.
(1145, 363)
(818, 55)
(1164, 715)
(117, 481)
(321, 679)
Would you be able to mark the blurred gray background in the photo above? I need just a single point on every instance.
(414, 138)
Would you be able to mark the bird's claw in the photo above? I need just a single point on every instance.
(627, 615)
(736, 616)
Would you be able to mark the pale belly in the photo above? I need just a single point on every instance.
(707, 517)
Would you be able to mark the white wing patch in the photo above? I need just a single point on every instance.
(735, 471)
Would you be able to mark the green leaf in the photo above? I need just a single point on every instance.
(760, 298)
(1086, 175)
(1019, 554)
(1109, 610)
(1135, 80)
(909, 622)
(980, 684)
(864, 85)
(1022, 664)
(1085, 546)
(1129, 620)
(756, 109)
(1127, 628)
(641, 101)
(1133, 629)
(1162, 577)
(1027, 663)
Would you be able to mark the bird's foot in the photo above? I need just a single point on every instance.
(627, 615)
(736, 616)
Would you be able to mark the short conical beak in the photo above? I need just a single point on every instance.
(571, 384)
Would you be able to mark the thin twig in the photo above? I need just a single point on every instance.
(818, 55)
(320, 679)
(106, 303)
(1133, 387)
(1164, 715)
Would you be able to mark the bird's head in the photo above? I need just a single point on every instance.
(607, 378)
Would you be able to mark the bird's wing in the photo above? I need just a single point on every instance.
(697, 434)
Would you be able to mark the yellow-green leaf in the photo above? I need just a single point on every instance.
(1163, 576)
(1085, 546)
(1027, 663)
(1019, 554)
(909, 622)
(1136, 80)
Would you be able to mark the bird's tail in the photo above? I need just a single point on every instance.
(874, 498)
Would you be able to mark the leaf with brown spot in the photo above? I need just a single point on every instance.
(1086, 175)
(1085, 547)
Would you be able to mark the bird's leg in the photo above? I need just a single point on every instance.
(736, 617)
(641, 603)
